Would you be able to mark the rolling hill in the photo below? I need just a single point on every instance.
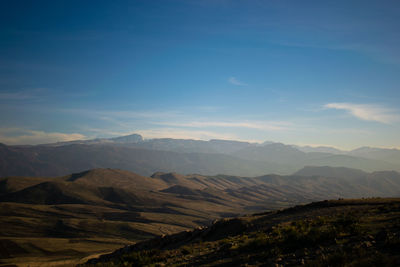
(111, 207)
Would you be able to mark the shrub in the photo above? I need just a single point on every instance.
(141, 258)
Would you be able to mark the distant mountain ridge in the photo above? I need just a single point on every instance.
(227, 146)
(328, 171)
(185, 156)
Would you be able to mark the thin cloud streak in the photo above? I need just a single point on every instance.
(172, 118)
(14, 96)
(262, 125)
(18, 136)
(23, 95)
(124, 113)
(235, 81)
(93, 133)
(185, 134)
(367, 112)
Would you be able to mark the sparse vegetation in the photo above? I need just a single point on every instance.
(331, 233)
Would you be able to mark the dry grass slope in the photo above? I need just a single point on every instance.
(329, 233)
(72, 217)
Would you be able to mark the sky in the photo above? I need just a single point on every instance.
(298, 72)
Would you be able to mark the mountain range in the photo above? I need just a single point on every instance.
(61, 203)
(212, 157)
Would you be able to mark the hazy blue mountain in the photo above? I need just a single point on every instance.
(167, 144)
(133, 153)
(229, 146)
(322, 149)
(194, 146)
(384, 154)
(123, 140)
(293, 158)
(328, 171)
(327, 159)
(242, 149)
(275, 152)
(133, 138)
(61, 160)
(178, 145)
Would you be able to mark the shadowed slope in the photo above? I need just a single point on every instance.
(47, 193)
(330, 233)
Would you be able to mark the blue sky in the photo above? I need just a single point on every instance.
(298, 72)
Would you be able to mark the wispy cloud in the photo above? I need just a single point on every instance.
(18, 136)
(14, 96)
(367, 112)
(92, 133)
(208, 108)
(259, 125)
(126, 114)
(174, 118)
(184, 134)
(235, 81)
(22, 95)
